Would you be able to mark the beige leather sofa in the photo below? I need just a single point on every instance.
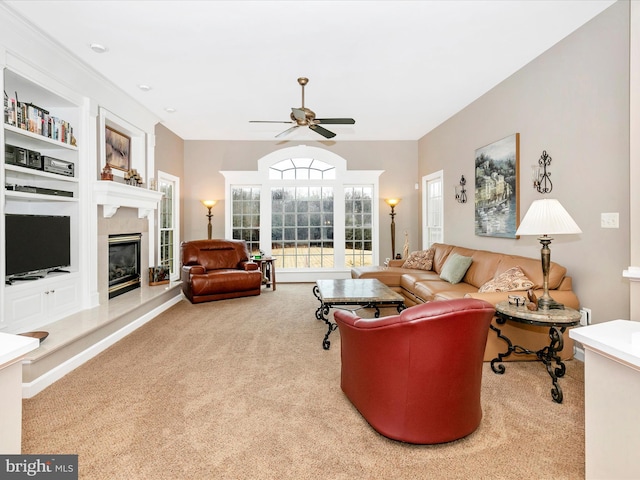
(419, 286)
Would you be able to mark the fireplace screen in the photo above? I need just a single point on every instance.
(124, 263)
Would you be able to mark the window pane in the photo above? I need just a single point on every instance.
(245, 216)
(358, 226)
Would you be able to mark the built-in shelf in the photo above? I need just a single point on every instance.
(40, 173)
(112, 195)
(39, 140)
(38, 197)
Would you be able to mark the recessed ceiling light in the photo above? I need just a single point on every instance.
(169, 109)
(98, 48)
(144, 88)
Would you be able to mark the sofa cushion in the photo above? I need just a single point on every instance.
(455, 267)
(532, 268)
(390, 276)
(409, 280)
(511, 280)
(442, 251)
(225, 281)
(422, 260)
(430, 290)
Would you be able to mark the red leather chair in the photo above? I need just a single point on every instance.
(416, 376)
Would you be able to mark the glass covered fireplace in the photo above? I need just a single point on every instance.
(124, 263)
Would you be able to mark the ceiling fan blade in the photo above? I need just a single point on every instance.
(336, 121)
(287, 131)
(269, 121)
(322, 131)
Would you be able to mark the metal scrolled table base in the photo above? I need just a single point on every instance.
(322, 312)
(547, 355)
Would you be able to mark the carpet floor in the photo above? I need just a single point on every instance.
(242, 389)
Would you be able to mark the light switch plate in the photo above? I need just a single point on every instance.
(610, 220)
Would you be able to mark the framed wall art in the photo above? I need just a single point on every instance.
(497, 206)
(117, 149)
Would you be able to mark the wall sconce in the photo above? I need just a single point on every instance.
(392, 202)
(541, 181)
(209, 204)
(461, 192)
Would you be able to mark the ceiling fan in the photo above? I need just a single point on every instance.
(303, 117)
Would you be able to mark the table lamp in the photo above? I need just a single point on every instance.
(547, 217)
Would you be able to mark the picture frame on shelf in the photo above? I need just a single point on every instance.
(158, 276)
(117, 149)
(497, 195)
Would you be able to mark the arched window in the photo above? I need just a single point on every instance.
(305, 208)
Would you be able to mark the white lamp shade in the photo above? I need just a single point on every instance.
(547, 217)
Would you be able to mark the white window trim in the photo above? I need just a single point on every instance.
(439, 175)
(164, 176)
(344, 178)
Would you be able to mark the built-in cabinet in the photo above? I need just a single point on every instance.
(28, 304)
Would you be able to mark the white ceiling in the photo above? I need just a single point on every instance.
(400, 68)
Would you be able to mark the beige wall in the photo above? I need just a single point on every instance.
(205, 159)
(573, 102)
(169, 158)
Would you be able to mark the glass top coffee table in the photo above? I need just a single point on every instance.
(361, 292)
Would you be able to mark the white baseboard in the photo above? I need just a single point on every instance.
(578, 353)
(36, 386)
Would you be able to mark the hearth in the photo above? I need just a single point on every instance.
(124, 263)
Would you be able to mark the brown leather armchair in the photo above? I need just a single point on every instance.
(218, 269)
(416, 376)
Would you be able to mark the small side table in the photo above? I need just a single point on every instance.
(268, 271)
(557, 321)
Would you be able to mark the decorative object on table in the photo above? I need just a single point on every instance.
(517, 300)
(209, 204)
(496, 195)
(547, 217)
(393, 202)
(107, 173)
(461, 192)
(117, 149)
(132, 177)
(158, 276)
(405, 249)
(533, 300)
(39, 335)
(541, 181)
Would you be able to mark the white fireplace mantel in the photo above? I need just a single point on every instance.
(112, 195)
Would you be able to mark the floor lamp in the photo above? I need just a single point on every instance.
(392, 202)
(209, 204)
(547, 217)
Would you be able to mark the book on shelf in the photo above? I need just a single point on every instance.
(34, 119)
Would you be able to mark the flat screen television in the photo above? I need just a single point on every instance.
(36, 243)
